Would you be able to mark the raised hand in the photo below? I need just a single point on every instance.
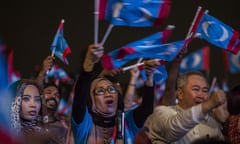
(94, 53)
(150, 67)
(218, 97)
(48, 63)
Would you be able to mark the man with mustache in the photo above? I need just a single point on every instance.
(56, 127)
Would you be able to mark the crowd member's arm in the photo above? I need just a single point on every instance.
(169, 94)
(146, 108)
(46, 66)
(82, 87)
(130, 93)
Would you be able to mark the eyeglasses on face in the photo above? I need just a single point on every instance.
(102, 91)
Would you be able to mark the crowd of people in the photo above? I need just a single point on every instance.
(106, 112)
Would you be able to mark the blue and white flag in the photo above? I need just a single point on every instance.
(218, 33)
(231, 62)
(197, 60)
(59, 46)
(134, 13)
(149, 47)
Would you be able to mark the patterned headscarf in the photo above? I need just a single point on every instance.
(17, 89)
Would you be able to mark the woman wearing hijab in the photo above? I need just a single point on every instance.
(26, 108)
(26, 114)
(97, 121)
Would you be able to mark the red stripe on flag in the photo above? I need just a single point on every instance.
(64, 109)
(102, 9)
(233, 44)
(195, 25)
(60, 27)
(107, 62)
(65, 53)
(7, 138)
(225, 61)
(163, 13)
(124, 51)
(206, 58)
(165, 35)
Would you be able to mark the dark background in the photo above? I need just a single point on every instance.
(28, 27)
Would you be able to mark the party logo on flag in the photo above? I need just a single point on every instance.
(231, 62)
(218, 33)
(149, 47)
(197, 60)
(134, 13)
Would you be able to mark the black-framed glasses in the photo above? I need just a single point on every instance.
(102, 91)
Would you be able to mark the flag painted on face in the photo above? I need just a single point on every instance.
(231, 62)
(59, 45)
(149, 47)
(134, 13)
(218, 33)
(197, 60)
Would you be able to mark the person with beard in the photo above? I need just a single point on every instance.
(56, 127)
(97, 103)
(52, 122)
